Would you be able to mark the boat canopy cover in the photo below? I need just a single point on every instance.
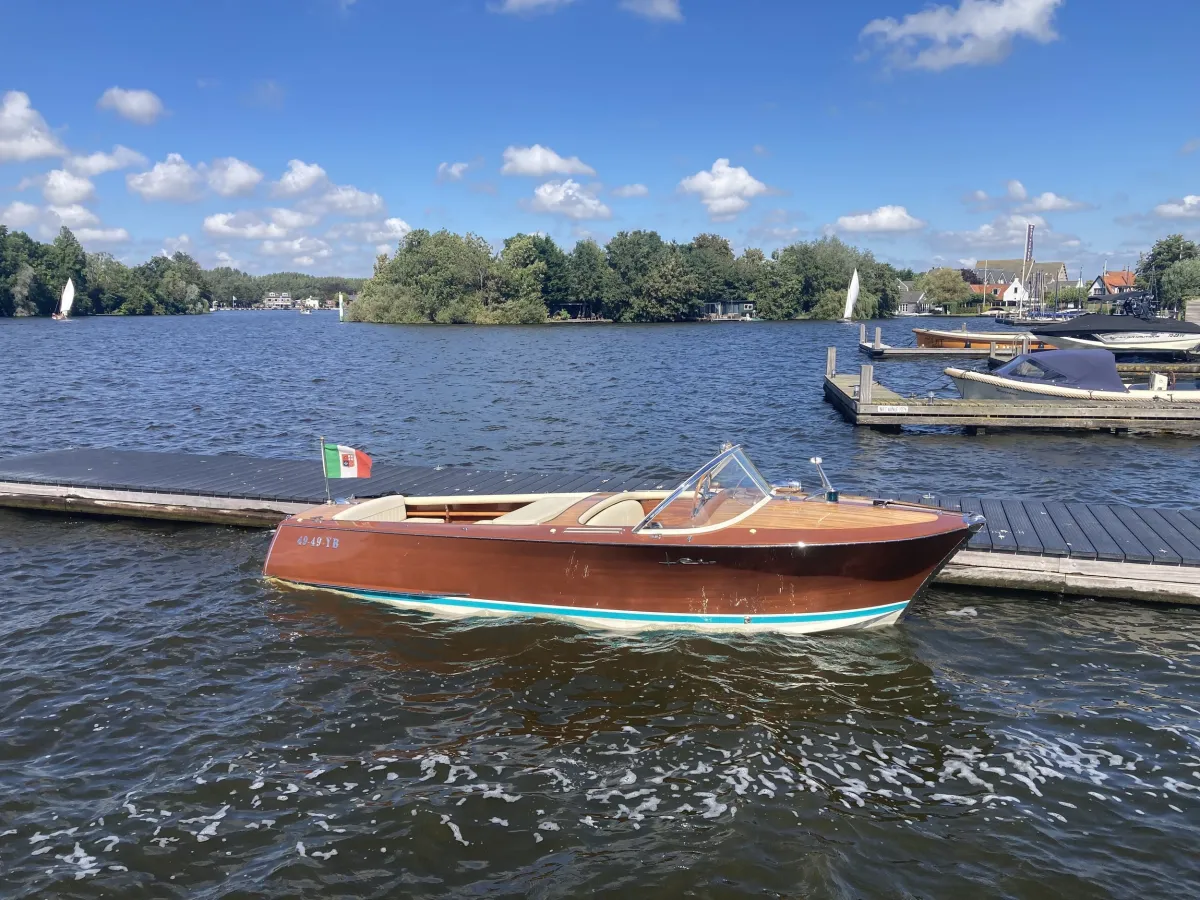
(1089, 370)
(1094, 323)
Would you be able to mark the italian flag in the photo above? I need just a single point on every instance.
(345, 462)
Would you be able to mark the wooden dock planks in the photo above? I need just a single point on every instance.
(1045, 545)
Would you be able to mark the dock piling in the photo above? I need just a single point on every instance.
(866, 377)
(831, 361)
(862, 332)
(878, 337)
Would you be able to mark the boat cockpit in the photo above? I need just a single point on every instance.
(725, 490)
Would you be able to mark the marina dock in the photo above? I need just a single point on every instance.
(863, 401)
(1099, 550)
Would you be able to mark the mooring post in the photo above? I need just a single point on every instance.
(878, 337)
(866, 375)
(862, 332)
(830, 361)
(1025, 344)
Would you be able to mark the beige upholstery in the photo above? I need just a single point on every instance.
(626, 513)
(598, 514)
(539, 511)
(381, 509)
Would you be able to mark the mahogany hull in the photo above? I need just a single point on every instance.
(626, 581)
(965, 340)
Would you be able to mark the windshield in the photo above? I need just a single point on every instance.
(721, 491)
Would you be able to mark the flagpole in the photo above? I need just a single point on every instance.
(324, 472)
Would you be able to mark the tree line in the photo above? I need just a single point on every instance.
(32, 275)
(636, 277)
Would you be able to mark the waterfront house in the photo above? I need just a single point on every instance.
(911, 302)
(278, 301)
(1003, 271)
(730, 309)
(1112, 283)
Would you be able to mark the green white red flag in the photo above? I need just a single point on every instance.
(344, 462)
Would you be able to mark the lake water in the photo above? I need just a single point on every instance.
(172, 726)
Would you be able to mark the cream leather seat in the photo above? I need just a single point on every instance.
(625, 514)
(539, 511)
(381, 509)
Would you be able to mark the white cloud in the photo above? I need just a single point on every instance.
(102, 235)
(142, 107)
(20, 215)
(661, 10)
(1015, 190)
(224, 259)
(1185, 208)
(230, 177)
(61, 188)
(304, 260)
(173, 245)
(1005, 233)
(631, 190)
(172, 179)
(300, 178)
(977, 32)
(301, 246)
(882, 220)
(725, 190)
(346, 200)
(245, 225)
(100, 162)
(539, 161)
(24, 134)
(383, 233)
(1051, 202)
(568, 198)
(452, 171)
(74, 216)
(291, 218)
(977, 197)
(530, 6)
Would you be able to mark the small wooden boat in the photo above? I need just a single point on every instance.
(1063, 376)
(725, 550)
(965, 340)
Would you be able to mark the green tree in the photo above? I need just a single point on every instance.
(669, 293)
(945, 287)
(1181, 284)
(592, 285)
(65, 259)
(710, 260)
(632, 255)
(1164, 254)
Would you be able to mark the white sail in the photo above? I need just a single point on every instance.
(68, 297)
(341, 308)
(851, 297)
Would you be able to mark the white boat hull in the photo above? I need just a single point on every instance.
(1129, 342)
(983, 386)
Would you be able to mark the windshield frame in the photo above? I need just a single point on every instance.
(692, 480)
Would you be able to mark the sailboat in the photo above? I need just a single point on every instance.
(851, 298)
(341, 309)
(68, 299)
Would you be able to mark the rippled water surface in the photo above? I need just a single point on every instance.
(172, 726)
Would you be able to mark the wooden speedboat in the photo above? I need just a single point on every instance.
(725, 550)
(1063, 376)
(965, 340)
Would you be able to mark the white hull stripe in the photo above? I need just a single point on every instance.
(652, 618)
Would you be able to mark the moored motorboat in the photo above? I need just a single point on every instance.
(1060, 376)
(965, 340)
(725, 551)
(1123, 334)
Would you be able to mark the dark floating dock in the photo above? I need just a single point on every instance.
(1098, 550)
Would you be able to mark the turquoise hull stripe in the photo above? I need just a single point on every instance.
(662, 618)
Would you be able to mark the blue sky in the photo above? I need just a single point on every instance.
(307, 134)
